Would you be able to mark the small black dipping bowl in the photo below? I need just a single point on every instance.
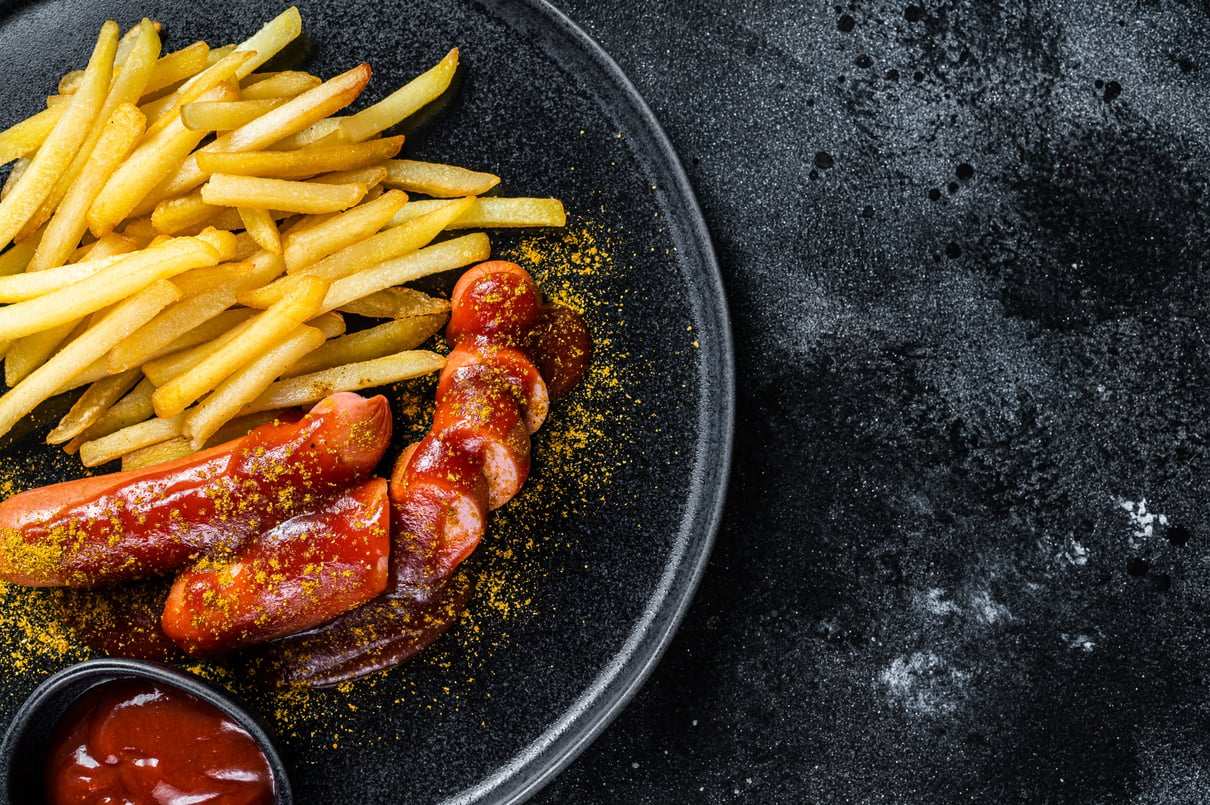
(26, 741)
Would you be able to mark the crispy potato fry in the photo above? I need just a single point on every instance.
(202, 333)
(175, 215)
(396, 303)
(17, 258)
(31, 285)
(494, 213)
(27, 353)
(247, 383)
(285, 84)
(370, 177)
(134, 437)
(306, 389)
(280, 194)
(225, 115)
(22, 139)
(158, 453)
(50, 377)
(260, 225)
(126, 275)
(67, 225)
(134, 407)
(444, 256)
(403, 102)
(171, 323)
(173, 68)
(301, 247)
(55, 154)
(94, 402)
(183, 390)
(364, 345)
(153, 159)
(289, 118)
(437, 180)
(301, 162)
(371, 251)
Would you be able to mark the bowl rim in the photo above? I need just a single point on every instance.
(59, 690)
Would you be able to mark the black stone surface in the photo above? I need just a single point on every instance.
(966, 555)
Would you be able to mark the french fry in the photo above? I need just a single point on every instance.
(301, 162)
(289, 118)
(126, 275)
(146, 166)
(27, 353)
(17, 258)
(175, 215)
(285, 84)
(134, 407)
(67, 225)
(260, 225)
(201, 333)
(158, 453)
(444, 256)
(371, 251)
(396, 303)
(183, 390)
(32, 284)
(246, 384)
(370, 177)
(56, 152)
(50, 377)
(280, 194)
(22, 139)
(403, 102)
(173, 68)
(171, 323)
(326, 131)
(225, 115)
(301, 247)
(134, 437)
(437, 180)
(243, 425)
(494, 213)
(166, 111)
(385, 339)
(94, 402)
(306, 389)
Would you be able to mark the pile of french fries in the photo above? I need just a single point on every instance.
(184, 232)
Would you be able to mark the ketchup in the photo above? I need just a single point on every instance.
(136, 742)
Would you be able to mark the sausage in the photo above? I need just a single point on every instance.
(299, 574)
(475, 458)
(135, 524)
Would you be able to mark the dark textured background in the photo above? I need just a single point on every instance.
(965, 555)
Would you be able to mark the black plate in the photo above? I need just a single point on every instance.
(587, 573)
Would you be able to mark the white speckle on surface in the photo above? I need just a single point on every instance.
(924, 684)
(934, 602)
(988, 610)
(1075, 553)
(1079, 641)
(1144, 521)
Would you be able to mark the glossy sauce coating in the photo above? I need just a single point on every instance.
(144, 743)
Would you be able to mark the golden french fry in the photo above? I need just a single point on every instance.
(27, 353)
(437, 180)
(175, 215)
(280, 194)
(134, 437)
(305, 389)
(385, 339)
(450, 254)
(247, 383)
(158, 453)
(50, 377)
(225, 115)
(67, 225)
(31, 285)
(55, 154)
(301, 247)
(331, 324)
(493, 213)
(289, 118)
(167, 110)
(285, 84)
(403, 102)
(303, 161)
(17, 258)
(370, 177)
(266, 328)
(396, 303)
(23, 138)
(132, 408)
(202, 333)
(173, 68)
(322, 132)
(170, 324)
(126, 275)
(243, 425)
(260, 225)
(146, 166)
(269, 40)
(94, 402)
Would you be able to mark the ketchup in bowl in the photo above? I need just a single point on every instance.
(142, 741)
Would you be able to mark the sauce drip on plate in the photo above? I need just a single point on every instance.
(134, 741)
